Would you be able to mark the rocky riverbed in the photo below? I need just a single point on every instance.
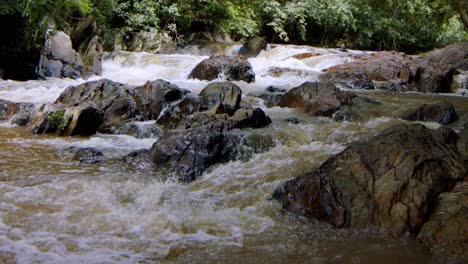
(183, 158)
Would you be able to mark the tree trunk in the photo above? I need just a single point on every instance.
(461, 7)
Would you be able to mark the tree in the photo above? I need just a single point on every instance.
(461, 6)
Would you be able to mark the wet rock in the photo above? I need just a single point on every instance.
(225, 95)
(114, 99)
(139, 160)
(84, 120)
(271, 96)
(91, 52)
(229, 67)
(293, 120)
(316, 98)
(87, 155)
(403, 72)
(284, 71)
(153, 97)
(274, 89)
(249, 118)
(454, 56)
(186, 154)
(391, 86)
(463, 141)
(134, 129)
(346, 114)
(18, 113)
(447, 228)
(443, 113)
(391, 181)
(306, 55)
(253, 47)
(179, 112)
(58, 58)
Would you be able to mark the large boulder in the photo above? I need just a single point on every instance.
(231, 68)
(401, 71)
(316, 98)
(454, 56)
(253, 47)
(443, 113)
(114, 100)
(391, 181)
(447, 228)
(224, 95)
(105, 106)
(58, 58)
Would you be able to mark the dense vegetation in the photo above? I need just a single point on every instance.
(408, 25)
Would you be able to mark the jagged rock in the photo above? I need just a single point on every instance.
(443, 113)
(85, 120)
(224, 95)
(229, 67)
(404, 72)
(447, 228)
(87, 155)
(58, 58)
(253, 47)
(114, 99)
(154, 97)
(186, 154)
(391, 181)
(18, 113)
(91, 52)
(316, 98)
(178, 112)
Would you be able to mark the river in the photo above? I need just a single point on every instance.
(56, 210)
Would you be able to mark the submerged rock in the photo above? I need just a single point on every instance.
(87, 155)
(316, 98)
(17, 113)
(232, 68)
(271, 96)
(391, 181)
(443, 113)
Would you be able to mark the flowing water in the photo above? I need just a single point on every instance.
(56, 210)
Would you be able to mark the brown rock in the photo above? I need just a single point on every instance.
(410, 72)
(443, 113)
(447, 228)
(232, 68)
(390, 181)
(316, 98)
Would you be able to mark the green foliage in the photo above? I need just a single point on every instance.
(408, 25)
(138, 14)
(58, 120)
